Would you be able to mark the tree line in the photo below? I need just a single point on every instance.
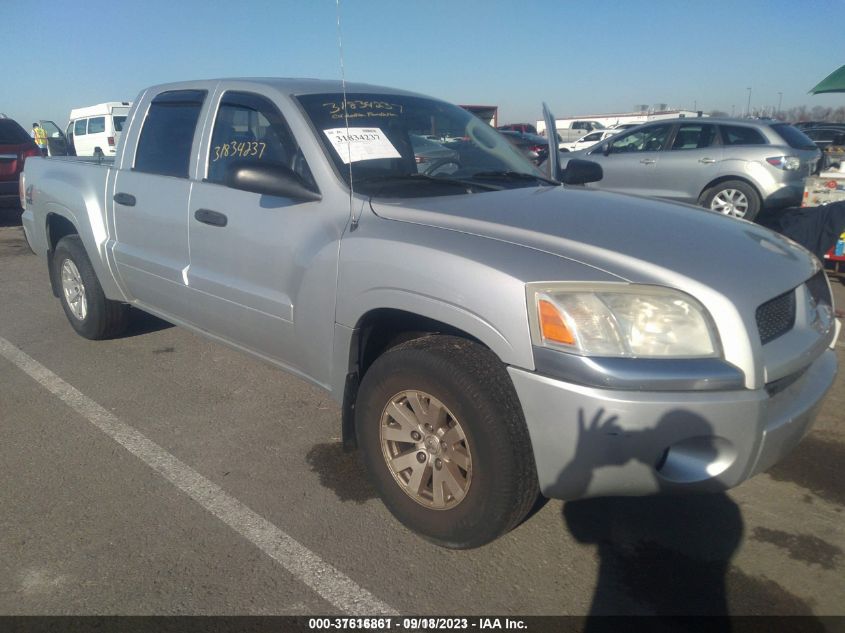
(796, 114)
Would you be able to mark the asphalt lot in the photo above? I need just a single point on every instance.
(160, 473)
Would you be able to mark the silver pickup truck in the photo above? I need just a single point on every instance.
(491, 334)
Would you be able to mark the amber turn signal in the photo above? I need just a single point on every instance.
(552, 325)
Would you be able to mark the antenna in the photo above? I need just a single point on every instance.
(355, 218)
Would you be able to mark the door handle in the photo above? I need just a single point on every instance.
(648, 161)
(214, 218)
(125, 199)
(707, 161)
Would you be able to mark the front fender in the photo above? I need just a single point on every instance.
(470, 283)
(444, 311)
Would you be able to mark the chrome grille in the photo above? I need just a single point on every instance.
(776, 317)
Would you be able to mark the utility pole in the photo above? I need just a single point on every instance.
(748, 107)
(780, 100)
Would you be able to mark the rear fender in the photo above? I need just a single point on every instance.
(92, 235)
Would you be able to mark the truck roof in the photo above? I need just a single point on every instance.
(296, 86)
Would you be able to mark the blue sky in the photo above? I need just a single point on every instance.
(581, 57)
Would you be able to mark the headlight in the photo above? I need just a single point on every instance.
(612, 319)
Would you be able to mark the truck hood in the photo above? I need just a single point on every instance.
(635, 239)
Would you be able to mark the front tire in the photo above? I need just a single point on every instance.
(90, 313)
(444, 440)
(735, 198)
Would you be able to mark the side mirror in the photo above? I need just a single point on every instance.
(605, 149)
(269, 178)
(579, 172)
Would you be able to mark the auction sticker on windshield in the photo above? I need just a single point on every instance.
(360, 143)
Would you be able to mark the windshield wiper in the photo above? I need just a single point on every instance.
(513, 175)
(418, 178)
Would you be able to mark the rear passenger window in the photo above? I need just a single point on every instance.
(694, 136)
(79, 127)
(250, 128)
(164, 147)
(97, 124)
(737, 135)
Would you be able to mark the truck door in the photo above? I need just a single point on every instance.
(263, 265)
(151, 205)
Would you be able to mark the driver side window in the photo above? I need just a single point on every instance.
(250, 128)
(650, 139)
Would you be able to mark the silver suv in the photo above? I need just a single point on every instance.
(732, 166)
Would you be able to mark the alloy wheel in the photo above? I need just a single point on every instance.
(74, 290)
(731, 202)
(426, 450)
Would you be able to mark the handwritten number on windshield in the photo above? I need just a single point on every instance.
(242, 149)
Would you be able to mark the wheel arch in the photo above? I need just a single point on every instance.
(725, 178)
(375, 332)
(56, 226)
(61, 220)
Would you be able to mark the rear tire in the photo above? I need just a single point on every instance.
(90, 313)
(735, 198)
(469, 476)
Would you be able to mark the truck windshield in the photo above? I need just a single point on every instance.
(412, 143)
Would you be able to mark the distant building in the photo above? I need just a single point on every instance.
(488, 114)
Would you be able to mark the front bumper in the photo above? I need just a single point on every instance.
(591, 442)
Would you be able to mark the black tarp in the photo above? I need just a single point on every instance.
(815, 228)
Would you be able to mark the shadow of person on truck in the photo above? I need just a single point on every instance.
(660, 554)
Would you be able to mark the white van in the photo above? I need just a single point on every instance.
(95, 130)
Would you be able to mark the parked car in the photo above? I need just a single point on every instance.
(732, 166)
(95, 130)
(571, 131)
(583, 125)
(518, 127)
(587, 141)
(806, 125)
(830, 141)
(15, 147)
(533, 146)
(489, 334)
(626, 126)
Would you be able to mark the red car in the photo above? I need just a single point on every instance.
(15, 146)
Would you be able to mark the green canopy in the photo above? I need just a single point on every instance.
(834, 82)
